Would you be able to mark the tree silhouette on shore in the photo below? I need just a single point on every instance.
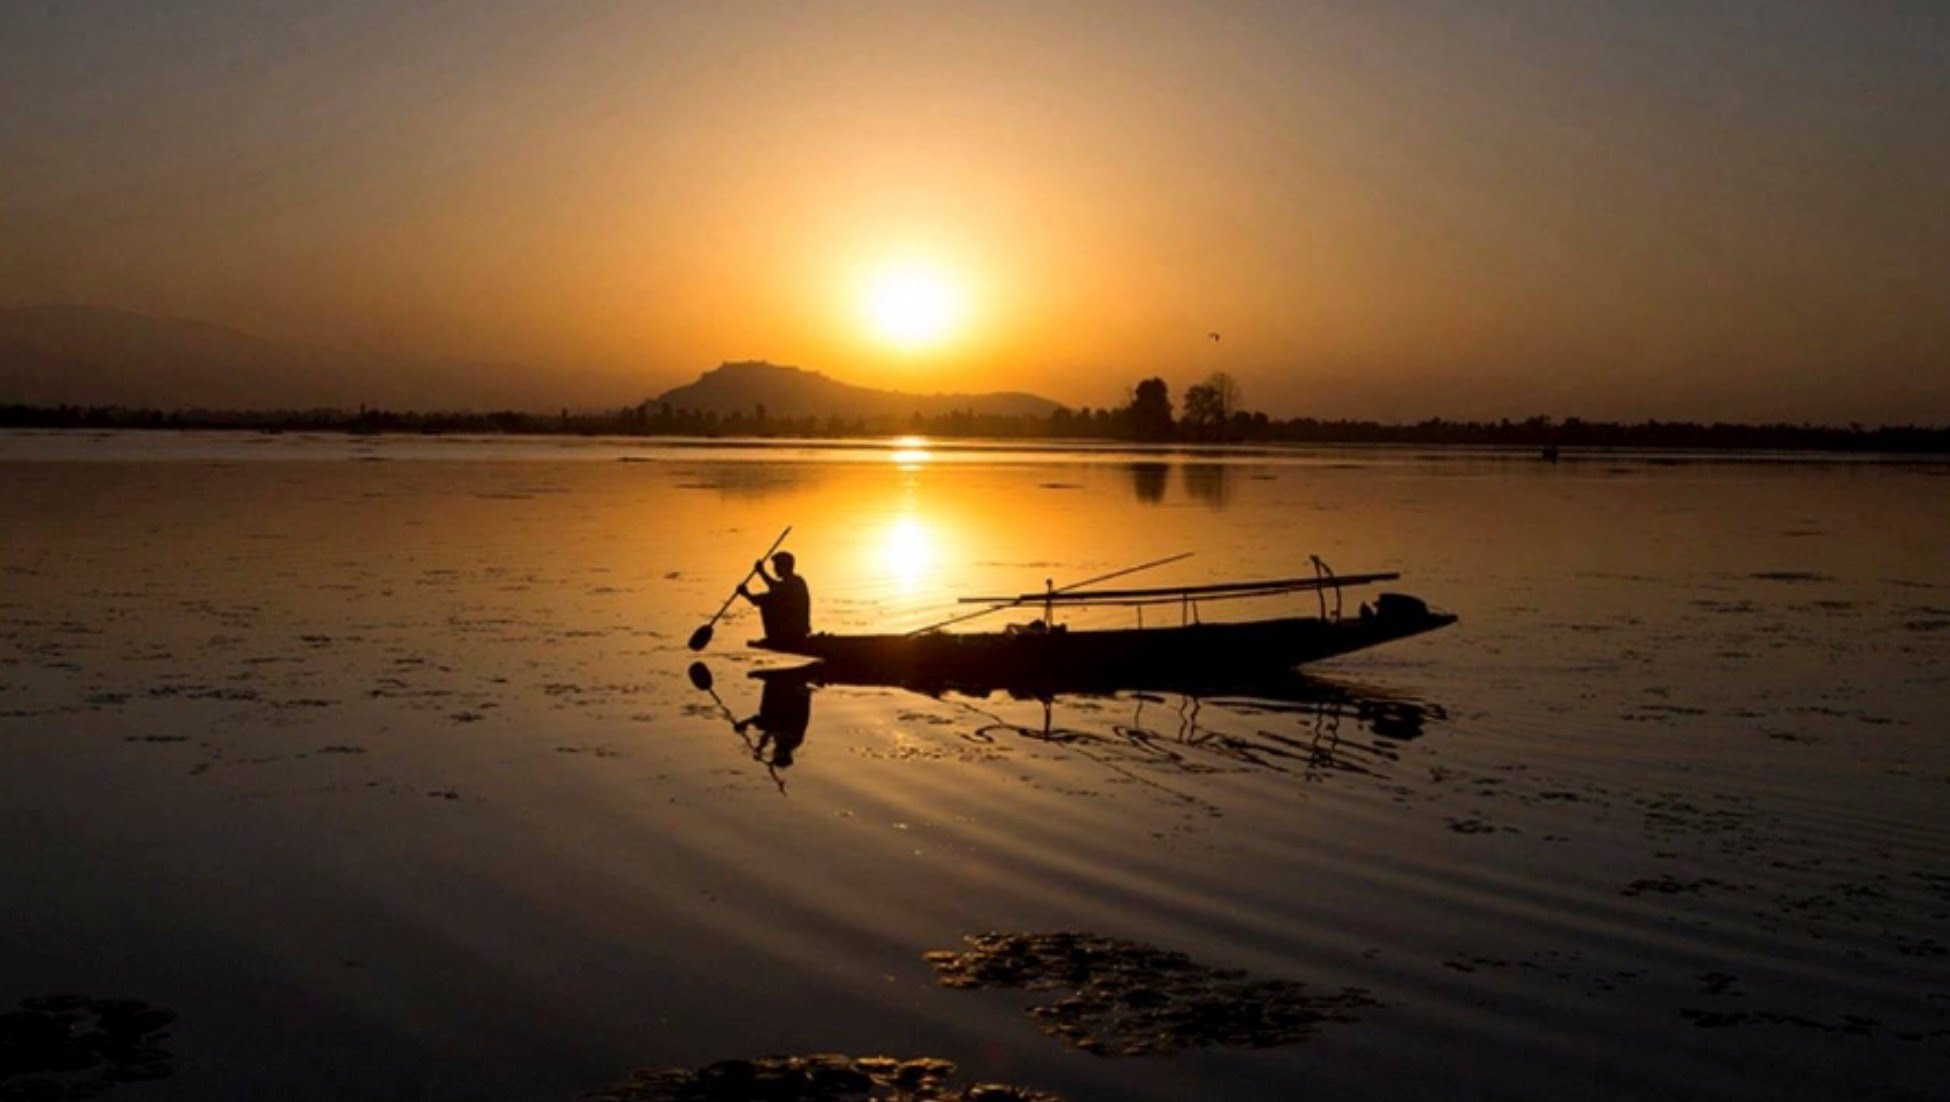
(1210, 407)
(1149, 414)
(1102, 423)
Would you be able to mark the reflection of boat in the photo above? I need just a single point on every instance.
(1039, 654)
(1283, 721)
(1275, 691)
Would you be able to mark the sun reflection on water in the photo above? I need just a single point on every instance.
(910, 451)
(907, 553)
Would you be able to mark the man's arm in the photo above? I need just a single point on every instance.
(744, 589)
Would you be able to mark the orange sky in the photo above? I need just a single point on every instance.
(1388, 211)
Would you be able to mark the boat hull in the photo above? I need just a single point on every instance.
(1082, 658)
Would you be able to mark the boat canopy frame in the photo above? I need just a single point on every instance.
(1172, 593)
(1187, 597)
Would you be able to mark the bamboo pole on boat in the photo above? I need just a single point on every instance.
(1173, 592)
(1047, 596)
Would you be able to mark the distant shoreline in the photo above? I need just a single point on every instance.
(1548, 438)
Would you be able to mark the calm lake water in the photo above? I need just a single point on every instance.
(377, 762)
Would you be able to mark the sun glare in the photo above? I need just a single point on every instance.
(912, 306)
(906, 553)
(910, 451)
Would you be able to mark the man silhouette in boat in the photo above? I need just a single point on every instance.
(785, 607)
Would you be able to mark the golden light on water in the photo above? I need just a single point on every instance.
(910, 451)
(908, 553)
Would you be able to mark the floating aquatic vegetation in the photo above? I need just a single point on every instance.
(827, 1077)
(1125, 998)
(1855, 1024)
(72, 1046)
(1667, 884)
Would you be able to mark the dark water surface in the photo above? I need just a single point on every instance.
(377, 763)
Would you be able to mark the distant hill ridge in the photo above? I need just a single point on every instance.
(53, 355)
(793, 392)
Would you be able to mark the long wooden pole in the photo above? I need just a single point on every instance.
(1334, 581)
(1012, 602)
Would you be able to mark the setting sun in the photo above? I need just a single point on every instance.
(912, 306)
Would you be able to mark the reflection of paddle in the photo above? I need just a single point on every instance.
(701, 678)
(701, 638)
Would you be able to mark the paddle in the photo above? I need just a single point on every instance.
(701, 638)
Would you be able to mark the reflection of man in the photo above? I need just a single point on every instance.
(786, 606)
(784, 711)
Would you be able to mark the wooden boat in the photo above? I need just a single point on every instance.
(1042, 652)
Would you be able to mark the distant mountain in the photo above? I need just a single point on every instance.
(795, 392)
(92, 356)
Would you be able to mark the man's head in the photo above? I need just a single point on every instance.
(782, 562)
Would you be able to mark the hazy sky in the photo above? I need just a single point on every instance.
(1719, 209)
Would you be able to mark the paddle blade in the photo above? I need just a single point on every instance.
(700, 676)
(701, 638)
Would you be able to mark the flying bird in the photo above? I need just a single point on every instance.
(1214, 334)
